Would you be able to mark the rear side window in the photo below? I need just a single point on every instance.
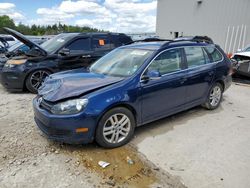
(101, 42)
(214, 54)
(80, 45)
(195, 56)
(167, 62)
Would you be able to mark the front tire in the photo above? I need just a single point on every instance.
(214, 98)
(115, 128)
(35, 80)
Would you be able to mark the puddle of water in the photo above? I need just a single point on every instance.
(119, 171)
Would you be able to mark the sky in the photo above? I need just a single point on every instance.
(129, 16)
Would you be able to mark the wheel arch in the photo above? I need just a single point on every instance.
(33, 70)
(123, 105)
(222, 84)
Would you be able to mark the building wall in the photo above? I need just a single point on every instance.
(227, 22)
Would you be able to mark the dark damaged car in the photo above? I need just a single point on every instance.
(131, 86)
(16, 49)
(65, 51)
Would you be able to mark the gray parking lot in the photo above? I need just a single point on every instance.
(197, 148)
(204, 148)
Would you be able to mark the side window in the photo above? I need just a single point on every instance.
(80, 45)
(167, 62)
(195, 56)
(214, 53)
(101, 42)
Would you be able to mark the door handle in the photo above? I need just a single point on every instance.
(86, 56)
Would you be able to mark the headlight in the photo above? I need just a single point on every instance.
(70, 107)
(12, 63)
(16, 61)
(9, 65)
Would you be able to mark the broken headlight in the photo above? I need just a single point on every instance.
(69, 107)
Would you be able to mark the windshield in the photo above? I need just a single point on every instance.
(56, 42)
(121, 62)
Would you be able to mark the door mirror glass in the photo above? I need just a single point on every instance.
(64, 52)
(151, 75)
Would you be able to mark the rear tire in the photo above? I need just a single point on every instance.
(214, 97)
(115, 128)
(35, 80)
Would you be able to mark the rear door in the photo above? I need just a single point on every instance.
(168, 93)
(201, 72)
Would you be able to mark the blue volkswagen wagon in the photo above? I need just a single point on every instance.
(131, 86)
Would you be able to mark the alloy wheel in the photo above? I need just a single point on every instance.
(37, 78)
(215, 96)
(116, 128)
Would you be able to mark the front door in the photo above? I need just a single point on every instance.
(80, 54)
(166, 94)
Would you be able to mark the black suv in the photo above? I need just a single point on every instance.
(63, 52)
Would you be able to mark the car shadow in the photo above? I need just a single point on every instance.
(167, 124)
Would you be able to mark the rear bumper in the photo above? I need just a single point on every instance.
(62, 128)
(227, 82)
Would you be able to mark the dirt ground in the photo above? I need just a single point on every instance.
(28, 159)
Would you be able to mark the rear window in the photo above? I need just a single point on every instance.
(214, 53)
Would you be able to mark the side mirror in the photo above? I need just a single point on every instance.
(151, 75)
(64, 52)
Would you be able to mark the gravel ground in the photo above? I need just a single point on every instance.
(28, 159)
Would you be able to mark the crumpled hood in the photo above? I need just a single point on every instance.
(72, 84)
(246, 54)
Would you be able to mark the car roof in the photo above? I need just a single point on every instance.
(90, 34)
(164, 44)
(146, 45)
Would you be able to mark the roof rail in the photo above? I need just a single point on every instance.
(202, 39)
(198, 39)
(149, 40)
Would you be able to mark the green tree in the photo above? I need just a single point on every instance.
(54, 29)
(5, 21)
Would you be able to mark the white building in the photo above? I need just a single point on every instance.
(227, 22)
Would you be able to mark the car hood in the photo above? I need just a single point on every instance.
(246, 54)
(25, 40)
(74, 83)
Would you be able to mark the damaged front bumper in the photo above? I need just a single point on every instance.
(63, 128)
